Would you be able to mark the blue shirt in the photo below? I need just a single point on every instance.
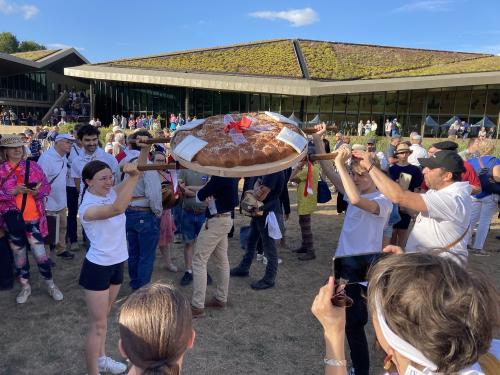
(225, 192)
(489, 162)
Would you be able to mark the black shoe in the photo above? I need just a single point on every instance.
(307, 256)
(261, 284)
(238, 272)
(66, 254)
(187, 278)
(209, 279)
(51, 262)
(300, 250)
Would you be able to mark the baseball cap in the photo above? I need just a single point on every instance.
(446, 145)
(446, 159)
(65, 136)
(358, 147)
(370, 141)
(396, 136)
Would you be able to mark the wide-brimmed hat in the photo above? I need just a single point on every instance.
(402, 148)
(358, 147)
(11, 140)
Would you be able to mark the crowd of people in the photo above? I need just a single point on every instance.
(406, 201)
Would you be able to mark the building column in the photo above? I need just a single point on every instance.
(186, 104)
(92, 100)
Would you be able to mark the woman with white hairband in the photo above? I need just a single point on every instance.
(430, 316)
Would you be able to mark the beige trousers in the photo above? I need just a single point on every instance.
(211, 240)
(63, 224)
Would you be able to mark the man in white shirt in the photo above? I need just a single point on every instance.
(444, 210)
(124, 122)
(54, 165)
(89, 138)
(417, 150)
(72, 194)
(361, 236)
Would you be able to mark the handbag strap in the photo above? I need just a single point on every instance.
(26, 180)
(448, 247)
(57, 175)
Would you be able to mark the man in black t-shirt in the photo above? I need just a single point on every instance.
(267, 189)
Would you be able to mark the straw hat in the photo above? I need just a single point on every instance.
(11, 140)
(402, 148)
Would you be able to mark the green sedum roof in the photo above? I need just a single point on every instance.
(35, 55)
(327, 61)
(341, 61)
(273, 58)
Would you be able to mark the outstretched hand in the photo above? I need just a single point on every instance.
(320, 129)
(330, 316)
(343, 155)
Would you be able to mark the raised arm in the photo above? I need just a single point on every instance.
(326, 166)
(389, 188)
(124, 195)
(350, 188)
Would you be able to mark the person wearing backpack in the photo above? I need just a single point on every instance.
(484, 204)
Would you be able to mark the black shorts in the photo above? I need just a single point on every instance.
(96, 277)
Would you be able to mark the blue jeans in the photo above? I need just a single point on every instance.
(259, 230)
(143, 233)
(191, 225)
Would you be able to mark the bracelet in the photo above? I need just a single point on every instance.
(371, 166)
(335, 362)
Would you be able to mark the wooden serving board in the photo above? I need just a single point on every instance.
(244, 171)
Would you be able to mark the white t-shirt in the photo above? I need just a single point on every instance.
(362, 231)
(446, 220)
(417, 152)
(81, 161)
(55, 167)
(108, 241)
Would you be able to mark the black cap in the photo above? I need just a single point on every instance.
(446, 145)
(447, 159)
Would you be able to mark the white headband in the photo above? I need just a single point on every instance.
(398, 344)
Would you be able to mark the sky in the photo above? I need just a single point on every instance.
(104, 30)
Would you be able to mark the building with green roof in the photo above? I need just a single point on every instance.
(32, 82)
(339, 82)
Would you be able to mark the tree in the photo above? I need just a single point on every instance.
(29, 45)
(8, 42)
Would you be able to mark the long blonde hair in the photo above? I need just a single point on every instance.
(156, 328)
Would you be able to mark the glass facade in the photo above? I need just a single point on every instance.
(346, 110)
(26, 86)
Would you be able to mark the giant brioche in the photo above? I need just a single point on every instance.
(224, 149)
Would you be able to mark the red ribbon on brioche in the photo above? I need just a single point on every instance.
(238, 126)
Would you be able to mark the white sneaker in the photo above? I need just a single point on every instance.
(264, 260)
(111, 366)
(23, 295)
(260, 257)
(55, 293)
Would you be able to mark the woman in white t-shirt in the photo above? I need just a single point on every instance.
(431, 315)
(102, 215)
(360, 239)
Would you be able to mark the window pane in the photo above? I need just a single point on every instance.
(352, 103)
(462, 100)
(493, 104)
(365, 103)
(275, 103)
(417, 99)
(286, 105)
(326, 104)
(391, 102)
(254, 103)
(217, 103)
(313, 104)
(340, 102)
(378, 102)
(478, 101)
(265, 101)
(403, 102)
(447, 101)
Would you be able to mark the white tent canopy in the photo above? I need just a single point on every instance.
(430, 122)
(314, 121)
(295, 118)
(450, 122)
(486, 122)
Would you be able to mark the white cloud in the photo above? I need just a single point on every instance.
(62, 46)
(296, 17)
(27, 10)
(425, 6)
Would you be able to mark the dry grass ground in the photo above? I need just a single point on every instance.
(264, 332)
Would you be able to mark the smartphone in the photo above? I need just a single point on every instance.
(31, 185)
(404, 180)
